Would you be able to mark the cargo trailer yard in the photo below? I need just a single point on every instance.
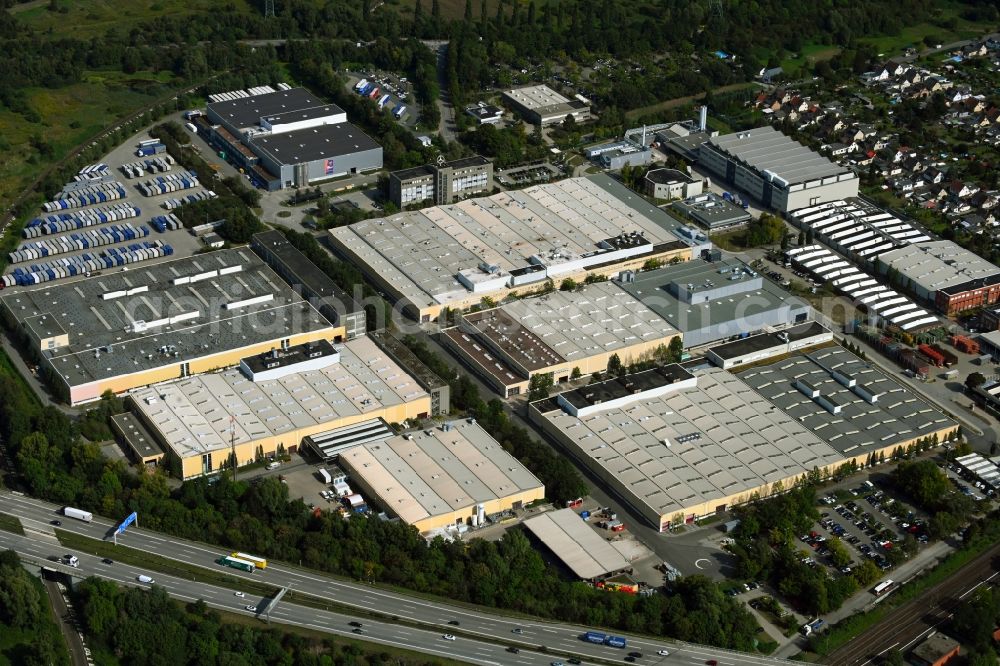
(106, 218)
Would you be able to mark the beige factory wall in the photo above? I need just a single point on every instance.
(431, 312)
(121, 383)
(246, 452)
(448, 519)
(694, 511)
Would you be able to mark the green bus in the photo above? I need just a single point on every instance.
(236, 563)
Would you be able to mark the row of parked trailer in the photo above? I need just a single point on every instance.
(168, 222)
(156, 165)
(242, 94)
(171, 204)
(86, 264)
(173, 182)
(116, 233)
(95, 194)
(92, 172)
(370, 89)
(57, 224)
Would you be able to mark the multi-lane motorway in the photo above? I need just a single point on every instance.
(482, 635)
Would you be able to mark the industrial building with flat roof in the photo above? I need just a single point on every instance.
(123, 330)
(679, 444)
(853, 406)
(289, 138)
(577, 545)
(768, 345)
(712, 212)
(441, 183)
(540, 105)
(710, 301)
(455, 255)
(942, 272)
(559, 334)
(442, 477)
(273, 401)
(437, 387)
(310, 282)
(776, 170)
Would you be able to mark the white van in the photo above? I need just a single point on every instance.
(144, 579)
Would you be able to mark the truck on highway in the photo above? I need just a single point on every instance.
(79, 514)
(595, 637)
(616, 641)
(71, 560)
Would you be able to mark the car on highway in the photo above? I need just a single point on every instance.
(358, 630)
(57, 523)
(663, 653)
(517, 630)
(557, 663)
(513, 650)
(448, 637)
(637, 655)
(239, 594)
(630, 659)
(142, 578)
(108, 560)
(574, 660)
(454, 623)
(712, 662)
(251, 608)
(355, 623)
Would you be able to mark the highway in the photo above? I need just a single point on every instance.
(478, 631)
(906, 625)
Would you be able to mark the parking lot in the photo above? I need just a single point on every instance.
(398, 89)
(182, 241)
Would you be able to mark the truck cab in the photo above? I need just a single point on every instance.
(71, 560)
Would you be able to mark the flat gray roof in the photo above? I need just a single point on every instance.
(314, 143)
(724, 439)
(767, 149)
(192, 415)
(119, 323)
(283, 105)
(573, 541)
(650, 287)
(421, 252)
(568, 326)
(712, 210)
(448, 468)
(739, 348)
(897, 415)
(936, 265)
(135, 434)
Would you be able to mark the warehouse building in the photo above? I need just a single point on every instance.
(453, 256)
(761, 347)
(944, 273)
(671, 184)
(678, 444)
(441, 183)
(616, 155)
(712, 212)
(857, 228)
(540, 105)
(485, 114)
(123, 330)
(438, 388)
(712, 301)
(306, 278)
(776, 170)
(443, 477)
(582, 550)
(880, 302)
(290, 138)
(273, 401)
(561, 334)
(138, 441)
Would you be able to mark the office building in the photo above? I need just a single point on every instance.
(671, 184)
(441, 183)
(712, 212)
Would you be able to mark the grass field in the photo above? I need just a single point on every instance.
(681, 101)
(69, 115)
(90, 18)
(804, 61)
(10, 524)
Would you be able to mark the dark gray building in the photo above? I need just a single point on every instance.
(290, 138)
(313, 284)
(441, 183)
(712, 211)
(428, 380)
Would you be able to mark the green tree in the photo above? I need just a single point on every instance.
(615, 367)
(569, 284)
(539, 385)
(675, 349)
(975, 380)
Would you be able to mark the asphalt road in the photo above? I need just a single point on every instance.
(905, 626)
(479, 630)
